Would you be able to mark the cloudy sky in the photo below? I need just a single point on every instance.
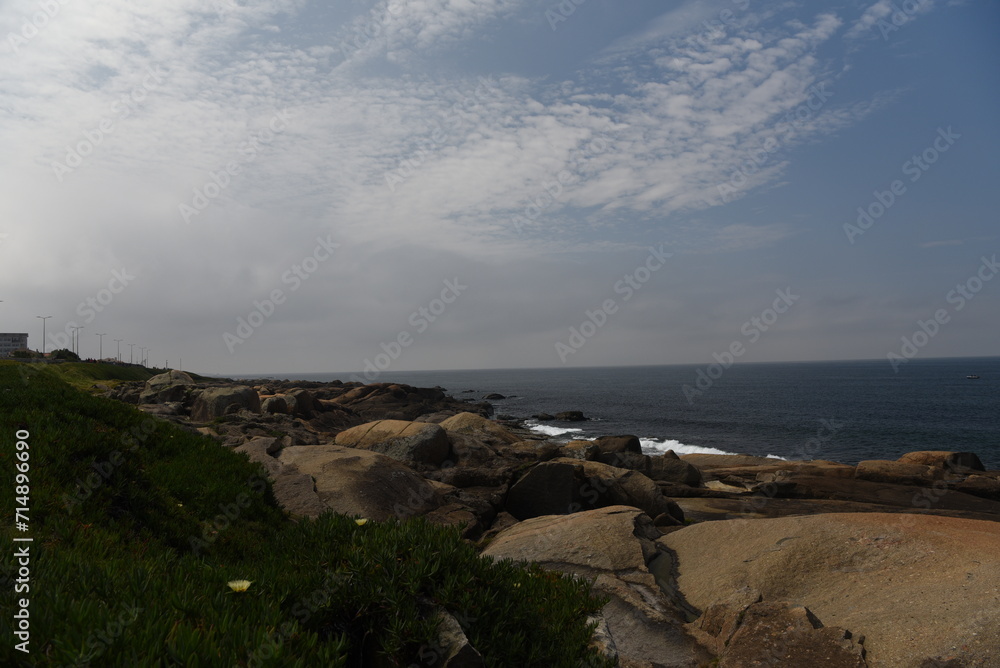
(281, 186)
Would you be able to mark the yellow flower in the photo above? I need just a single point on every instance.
(239, 585)
(361, 522)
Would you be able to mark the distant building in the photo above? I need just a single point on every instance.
(11, 342)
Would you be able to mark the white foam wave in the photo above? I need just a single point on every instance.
(553, 431)
(651, 446)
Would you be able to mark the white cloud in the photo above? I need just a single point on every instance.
(888, 12)
(598, 163)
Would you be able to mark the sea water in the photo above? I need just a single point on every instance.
(841, 411)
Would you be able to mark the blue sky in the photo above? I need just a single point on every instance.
(288, 186)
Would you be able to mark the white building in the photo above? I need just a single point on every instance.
(11, 342)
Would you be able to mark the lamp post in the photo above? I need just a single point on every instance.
(130, 346)
(44, 318)
(119, 342)
(76, 339)
(100, 355)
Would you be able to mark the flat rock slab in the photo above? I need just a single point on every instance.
(921, 588)
(611, 546)
(585, 543)
(409, 442)
(707, 509)
(361, 483)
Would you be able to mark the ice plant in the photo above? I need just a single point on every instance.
(239, 585)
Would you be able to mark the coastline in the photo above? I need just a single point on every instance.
(708, 553)
(842, 411)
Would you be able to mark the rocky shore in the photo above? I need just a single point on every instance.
(705, 559)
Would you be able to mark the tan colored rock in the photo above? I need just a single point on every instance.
(215, 402)
(918, 587)
(586, 543)
(785, 634)
(362, 483)
(565, 485)
(413, 443)
(296, 492)
(611, 546)
(981, 486)
(898, 473)
(722, 461)
(477, 425)
(956, 462)
(581, 450)
(172, 385)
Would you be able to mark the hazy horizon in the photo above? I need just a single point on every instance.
(291, 185)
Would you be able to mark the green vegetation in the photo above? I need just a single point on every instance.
(64, 354)
(85, 375)
(138, 526)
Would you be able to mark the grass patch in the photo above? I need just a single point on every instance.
(138, 526)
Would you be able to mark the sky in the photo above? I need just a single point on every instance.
(289, 186)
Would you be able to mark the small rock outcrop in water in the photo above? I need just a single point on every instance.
(887, 563)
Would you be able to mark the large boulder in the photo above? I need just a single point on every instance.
(358, 482)
(170, 386)
(897, 473)
(215, 402)
(610, 445)
(986, 487)
(673, 469)
(662, 468)
(615, 548)
(955, 462)
(562, 485)
(921, 588)
(414, 443)
(479, 427)
(276, 404)
(301, 403)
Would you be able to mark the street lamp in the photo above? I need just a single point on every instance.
(44, 318)
(130, 346)
(76, 339)
(101, 349)
(119, 342)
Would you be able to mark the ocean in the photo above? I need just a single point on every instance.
(841, 411)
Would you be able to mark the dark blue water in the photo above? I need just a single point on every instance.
(843, 411)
